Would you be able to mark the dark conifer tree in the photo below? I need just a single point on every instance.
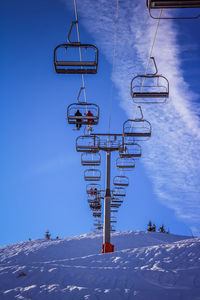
(149, 226)
(154, 228)
(162, 228)
(47, 235)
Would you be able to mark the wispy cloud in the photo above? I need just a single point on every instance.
(171, 156)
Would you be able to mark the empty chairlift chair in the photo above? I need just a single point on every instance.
(125, 163)
(90, 159)
(139, 129)
(117, 201)
(119, 192)
(131, 150)
(150, 88)
(120, 181)
(92, 175)
(109, 142)
(75, 58)
(87, 143)
(171, 4)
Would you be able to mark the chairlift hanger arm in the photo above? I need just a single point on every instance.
(156, 69)
(79, 93)
(70, 31)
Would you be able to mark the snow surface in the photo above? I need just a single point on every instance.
(154, 266)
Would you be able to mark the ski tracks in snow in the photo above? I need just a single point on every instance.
(168, 270)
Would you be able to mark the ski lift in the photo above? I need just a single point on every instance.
(132, 150)
(113, 210)
(150, 88)
(90, 159)
(119, 192)
(113, 205)
(167, 4)
(125, 163)
(109, 142)
(98, 226)
(92, 175)
(117, 201)
(96, 214)
(138, 128)
(95, 206)
(120, 181)
(93, 190)
(83, 113)
(87, 143)
(75, 58)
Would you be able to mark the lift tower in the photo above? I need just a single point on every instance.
(108, 143)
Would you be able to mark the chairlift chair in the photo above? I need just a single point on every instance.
(117, 201)
(96, 214)
(125, 163)
(90, 159)
(119, 192)
(95, 206)
(168, 4)
(131, 150)
(83, 108)
(113, 205)
(98, 227)
(150, 88)
(109, 142)
(92, 175)
(138, 128)
(75, 58)
(87, 143)
(93, 189)
(121, 181)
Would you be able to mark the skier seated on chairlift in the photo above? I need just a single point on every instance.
(78, 121)
(91, 192)
(90, 121)
(95, 193)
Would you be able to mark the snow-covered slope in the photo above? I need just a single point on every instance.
(144, 266)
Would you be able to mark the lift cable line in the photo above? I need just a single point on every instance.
(146, 70)
(78, 35)
(150, 55)
(113, 65)
(147, 66)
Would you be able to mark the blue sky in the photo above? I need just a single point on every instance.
(42, 184)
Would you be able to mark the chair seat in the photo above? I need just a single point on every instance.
(76, 63)
(150, 95)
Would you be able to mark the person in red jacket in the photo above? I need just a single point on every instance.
(90, 121)
(89, 114)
